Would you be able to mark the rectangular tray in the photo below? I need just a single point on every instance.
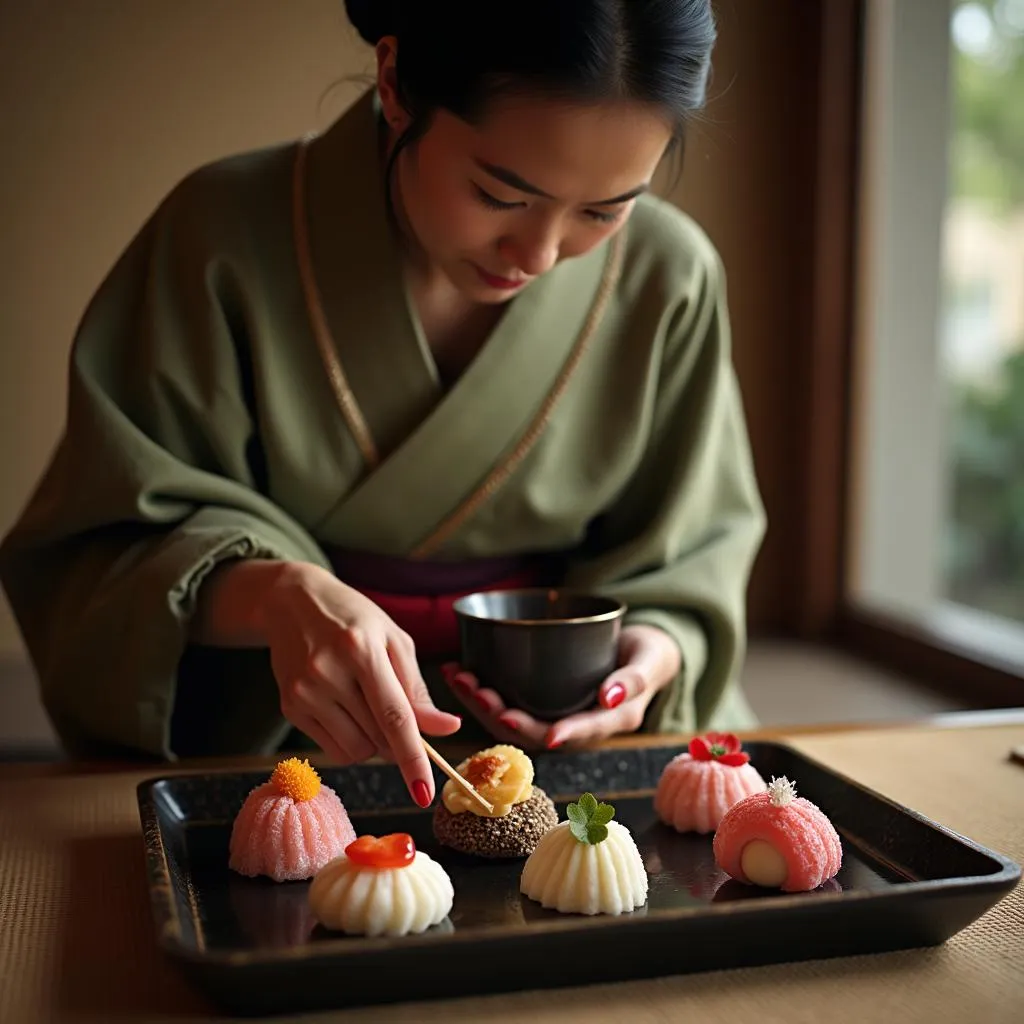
(252, 946)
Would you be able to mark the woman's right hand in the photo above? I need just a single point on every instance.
(347, 674)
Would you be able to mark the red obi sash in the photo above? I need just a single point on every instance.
(420, 596)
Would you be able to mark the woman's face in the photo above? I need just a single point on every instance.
(495, 205)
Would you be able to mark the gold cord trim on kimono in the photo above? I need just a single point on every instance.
(502, 472)
(335, 374)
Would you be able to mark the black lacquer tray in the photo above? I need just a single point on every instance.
(253, 947)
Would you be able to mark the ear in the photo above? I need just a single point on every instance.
(387, 84)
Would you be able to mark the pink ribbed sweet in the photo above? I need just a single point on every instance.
(799, 831)
(287, 839)
(692, 796)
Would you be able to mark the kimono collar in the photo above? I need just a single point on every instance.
(432, 457)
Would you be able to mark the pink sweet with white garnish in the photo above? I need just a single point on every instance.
(778, 840)
(290, 827)
(698, 787)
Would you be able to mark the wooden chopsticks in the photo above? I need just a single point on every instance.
(457, 778)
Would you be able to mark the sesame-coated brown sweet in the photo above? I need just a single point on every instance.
(515, 835)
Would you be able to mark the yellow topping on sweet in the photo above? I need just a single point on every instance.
(296, 779)
(502, 775)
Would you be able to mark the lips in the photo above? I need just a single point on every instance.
(500, 283)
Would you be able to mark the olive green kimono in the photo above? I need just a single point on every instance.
(250, 381)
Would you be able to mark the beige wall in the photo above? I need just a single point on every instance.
(105, 104)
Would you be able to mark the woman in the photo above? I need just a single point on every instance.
(450, 344)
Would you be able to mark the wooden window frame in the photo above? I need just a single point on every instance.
(929, 651)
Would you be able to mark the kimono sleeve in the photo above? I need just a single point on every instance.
(155, 481)
(679, 544)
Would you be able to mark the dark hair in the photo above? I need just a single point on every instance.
(457, 55)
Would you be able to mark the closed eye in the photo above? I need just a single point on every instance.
(492, 202)
(603, 217)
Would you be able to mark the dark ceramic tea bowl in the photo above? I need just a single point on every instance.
(545, 651)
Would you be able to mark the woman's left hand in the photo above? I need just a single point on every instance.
(649, 660)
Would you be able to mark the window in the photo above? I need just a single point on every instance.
(983, 310)
(939, 481)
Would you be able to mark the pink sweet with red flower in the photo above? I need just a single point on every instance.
(722, 747)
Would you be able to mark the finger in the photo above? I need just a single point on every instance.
(336, 721)
(326, 668)
(320, 736)
(528, 731)
(429, 717)
(483, 705)
(622, 685)
(487, 708)
(489, 702)
(462, 682)
(587, 726)
(640, 663)
(363, 716)
(394, 713)
(464, 686)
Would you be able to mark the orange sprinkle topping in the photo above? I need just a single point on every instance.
(481, 770)
(296, 779)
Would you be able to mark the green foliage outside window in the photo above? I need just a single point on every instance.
(986, 553)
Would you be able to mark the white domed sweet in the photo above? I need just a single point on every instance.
(575, 877)
(360, 900)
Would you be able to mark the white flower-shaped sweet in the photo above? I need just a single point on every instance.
(586, 865)
(362, 899)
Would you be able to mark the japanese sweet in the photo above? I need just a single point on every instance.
(381, 886)
(588, 864)
(696, 788)
(289, 827)
(778, 840)
(502, 775)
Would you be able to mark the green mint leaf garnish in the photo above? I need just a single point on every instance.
(579, 831)
(576, 816)
(588, 820)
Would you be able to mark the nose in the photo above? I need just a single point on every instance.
(532, 252)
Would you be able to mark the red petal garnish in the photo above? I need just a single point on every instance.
(735, 759)
(700, 749)
(394, 851)
(727, 740)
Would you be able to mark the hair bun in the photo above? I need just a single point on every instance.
(373, 19)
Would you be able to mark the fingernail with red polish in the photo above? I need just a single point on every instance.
(448, 670)
(482, 701)
(509, 723)
(614, 695)
(460, 684)
(421, 793)
(554, 744)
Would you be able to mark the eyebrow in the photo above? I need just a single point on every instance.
(513, 180)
